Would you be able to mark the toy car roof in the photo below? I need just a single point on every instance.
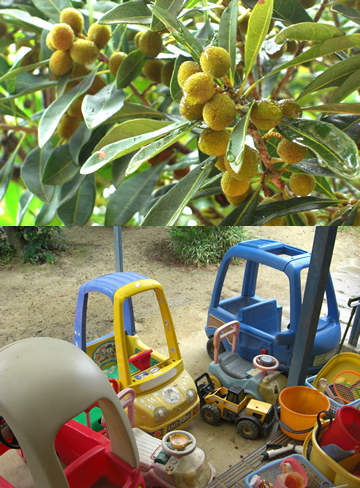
(110, 283)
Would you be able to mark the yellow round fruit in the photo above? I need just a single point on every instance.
(150, 43)
(166, 72)
(290, 108)
(213, 143)
(97, 85)
(234, 187)
(48, 42)
(199, 88)
(215, 61)
(249, 167)
(186, 69)
(220, 163)
(73, 18)
(311, 218)
(100, 34)
(266, 114)
(60, 63)
(75, 108)
(67, 126)
(116, 58)
(238, 199)
(152, 70)
(301, 184)
(290, 152)
(61, 37)
(189, 111)
(219, 111)
(276, 221)
(84, 52)
(137, 38)
(79, 70)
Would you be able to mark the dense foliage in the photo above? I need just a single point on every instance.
(184, 112)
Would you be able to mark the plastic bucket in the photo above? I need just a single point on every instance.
(299, 406)
(344, 431)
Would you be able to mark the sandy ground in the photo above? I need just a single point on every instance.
(40, 301)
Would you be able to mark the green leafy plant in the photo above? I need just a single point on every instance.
(150, 113)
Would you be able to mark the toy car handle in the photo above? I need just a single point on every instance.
(12, 443)
(230, 328)
(127, 397)
(257, 363)
(175, 452)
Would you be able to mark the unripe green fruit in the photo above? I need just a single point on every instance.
(67, 126)
(61, 37)
(266, 114)
(73, 18)
(115, 60)
(150, 44)
(290, 108)
(249, 167)
(199, 88)
(189, 111)
(84, 52)
(219, 111)
(99, 34)
(214, 143)
(166, 72)
(215, 61)
(60, 63)
(290, 152)
(152, 70)
(137, 38)
(301, 184)
(307, 3)
(234, 187)
(48, 42)
(187, 69)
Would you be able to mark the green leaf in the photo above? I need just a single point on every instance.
(98, 108)
(51, 8)
(7, 170)
(312, 166)
(308, 31)
(169, 207)
(228, 33)
(116, 149)
(236, 144)
(293, 12)
(244, 213)
(32, 173)
(48, 210)
(348, 12)
(24, 202)
(52, 115)
(336, 108)
(79, 208)
(258, 27)
(60, 167)
(336, 150)
(351, 84)
(132, 12)
(10, 108)
(131, 196)
(175, 89)
(34, 22)
(154, 148)
(132, 110)
(172, 6)
(130, 68)
(333, 75)
(13, 73)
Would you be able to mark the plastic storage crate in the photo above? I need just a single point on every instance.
(270, 471)
(334, 405)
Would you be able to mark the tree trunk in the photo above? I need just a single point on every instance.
(15, 239)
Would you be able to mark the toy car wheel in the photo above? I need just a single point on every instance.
(248, 428)
(210, 347)
(211, 414)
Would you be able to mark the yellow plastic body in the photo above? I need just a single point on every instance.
(339, 362)
(219, 397)
(258, 408)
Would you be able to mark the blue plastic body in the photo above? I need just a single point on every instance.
(260, 320)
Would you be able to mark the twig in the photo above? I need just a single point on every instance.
(138, 94)
(179, 146)
(277, 89)
(260, 73)
(321, 9)
(199, 215)
(29, 130)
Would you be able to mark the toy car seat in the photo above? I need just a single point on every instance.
(44, 383)
(230, 361)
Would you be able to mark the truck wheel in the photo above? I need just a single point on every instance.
(211, 414)
(210, 347)
(248, 428)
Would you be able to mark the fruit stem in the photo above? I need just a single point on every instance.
(138, 94)
(29, 130)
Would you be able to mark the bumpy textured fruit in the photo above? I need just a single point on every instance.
(215, 61)
(238, 199)
(290, 109)
(152, 69)
(62, 37)
(48, 42)
(290, 152)
(84, 52)
(75, 108)
(199, 88)
(60, 63)
(150, 44)
(213, 143)
(116, 58)
(97, 85)
(219, 111)
(220, 163)
(308, 3)
(234, 187)
(189, 111)
(266, 114)
(100, 34)
(67, 126)
(166, 72)
(301, 184)
(249, 167)
(73, 18)
(187, 69)
(79, 70)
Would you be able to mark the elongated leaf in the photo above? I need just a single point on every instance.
(258, 27)
(336, 108)
(236, 145)
(112, 151)
(131, 196)
(292, 12)
(169, 207)
(130, 68)
(34, 22)
(13, 73)
(10, 108)
(7, 170)
(79, 208)
(70, 188)
(32, 173)
(351, 84)
(24, 202)
(333, 75)
(228, 32)
(98, 108)
(77, 141)
(175, 89)
(133, 12)
(172, 6)
(51, 8)
(308, 31)
(336, 150)
(244, 213)
(48, 210)
(132, 110)
(52, 115)
(348, 12)
(157, 146)
(312, 166)
(60, 167)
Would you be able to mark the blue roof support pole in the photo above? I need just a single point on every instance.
(119, 265)
(323, 246)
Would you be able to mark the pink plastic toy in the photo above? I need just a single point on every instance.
(293, 475)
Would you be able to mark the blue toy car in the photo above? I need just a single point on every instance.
(260, 319)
